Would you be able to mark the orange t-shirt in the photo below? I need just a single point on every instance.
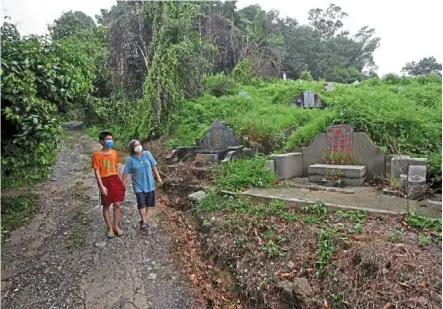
(105, 163)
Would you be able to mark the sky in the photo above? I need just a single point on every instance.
(409, 31)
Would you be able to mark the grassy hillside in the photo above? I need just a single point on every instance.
(401, 115)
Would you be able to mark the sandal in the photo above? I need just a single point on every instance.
(110, 234)
(118, 232)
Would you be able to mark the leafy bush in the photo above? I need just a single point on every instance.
(242, 72)
(239, 175)
(38, 77)
(306, 75)
(219, 85)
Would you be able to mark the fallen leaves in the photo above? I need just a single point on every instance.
(388, 306)
(260, 241)
(325, 305)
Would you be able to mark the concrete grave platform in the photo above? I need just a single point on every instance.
(368, 199)
(351, 175)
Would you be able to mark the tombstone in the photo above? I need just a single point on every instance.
(329, 87)
(356, 83)
(243, 94)
(218, 137)
(399, 89)
(340, 138)
(343, 138)
(416, 181)
(308, 99)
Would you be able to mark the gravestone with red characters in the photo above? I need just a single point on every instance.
(340, 138)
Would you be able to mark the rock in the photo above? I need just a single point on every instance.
(287, 295)
(197, 196)
(295, 294)
(291, 264)
(100, 244)
(302, 287)
(74, 125)
(243, 93)
(329, 87)
(152, 276)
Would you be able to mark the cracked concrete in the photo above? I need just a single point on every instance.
(39, 271)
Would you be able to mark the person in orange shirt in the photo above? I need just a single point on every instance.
(105, 165)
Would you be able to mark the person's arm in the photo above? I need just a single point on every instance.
(154, 167)
(95, 165)
(100, 185)
(126, 171)
(116, 164)
(156, 174)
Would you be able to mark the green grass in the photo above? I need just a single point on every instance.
(424, 223)
(16, 210)
(407, 122)
(239, 175)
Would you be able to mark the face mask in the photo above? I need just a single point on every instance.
(138, 148)
(109, 143)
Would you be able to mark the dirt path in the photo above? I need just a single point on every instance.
(62, 259)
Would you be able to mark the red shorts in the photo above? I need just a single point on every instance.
(116, 190)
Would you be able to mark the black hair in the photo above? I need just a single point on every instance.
(103, 135)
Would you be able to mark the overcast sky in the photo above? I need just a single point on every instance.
(408, 30)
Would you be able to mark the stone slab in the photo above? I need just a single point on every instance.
(365, 198)
(288, 165)
(313, 153)
(370, 155)
(399, 166)
(270, 166)
(351, 175)
(219, 137)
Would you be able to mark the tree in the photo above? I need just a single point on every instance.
(70, 23)
(425, 66)
(327, 22)
(39, 77)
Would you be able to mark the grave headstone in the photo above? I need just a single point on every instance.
(340, 137)
(416, 181)
(218, 137)
(243, 93)
(329, 87)
(308, 99)
(356, 83)
(399, 89)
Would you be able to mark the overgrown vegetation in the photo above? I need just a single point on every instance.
(238, 175)
(263, 244)
(15, 211)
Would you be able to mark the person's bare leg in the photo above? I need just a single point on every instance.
(116, 215)
(107, 217)
(142, 212)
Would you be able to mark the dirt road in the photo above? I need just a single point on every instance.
(62, 258)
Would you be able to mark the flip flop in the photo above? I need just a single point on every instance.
(118, 232)
(110, 234)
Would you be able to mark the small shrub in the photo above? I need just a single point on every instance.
(306, 75)
(239, 175)
(220, 85)
(340, 158)
(396, 237)
(243, 72)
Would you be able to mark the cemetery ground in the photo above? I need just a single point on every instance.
(221, 253)
(239, 254)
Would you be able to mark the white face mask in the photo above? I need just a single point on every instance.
(138, 148)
